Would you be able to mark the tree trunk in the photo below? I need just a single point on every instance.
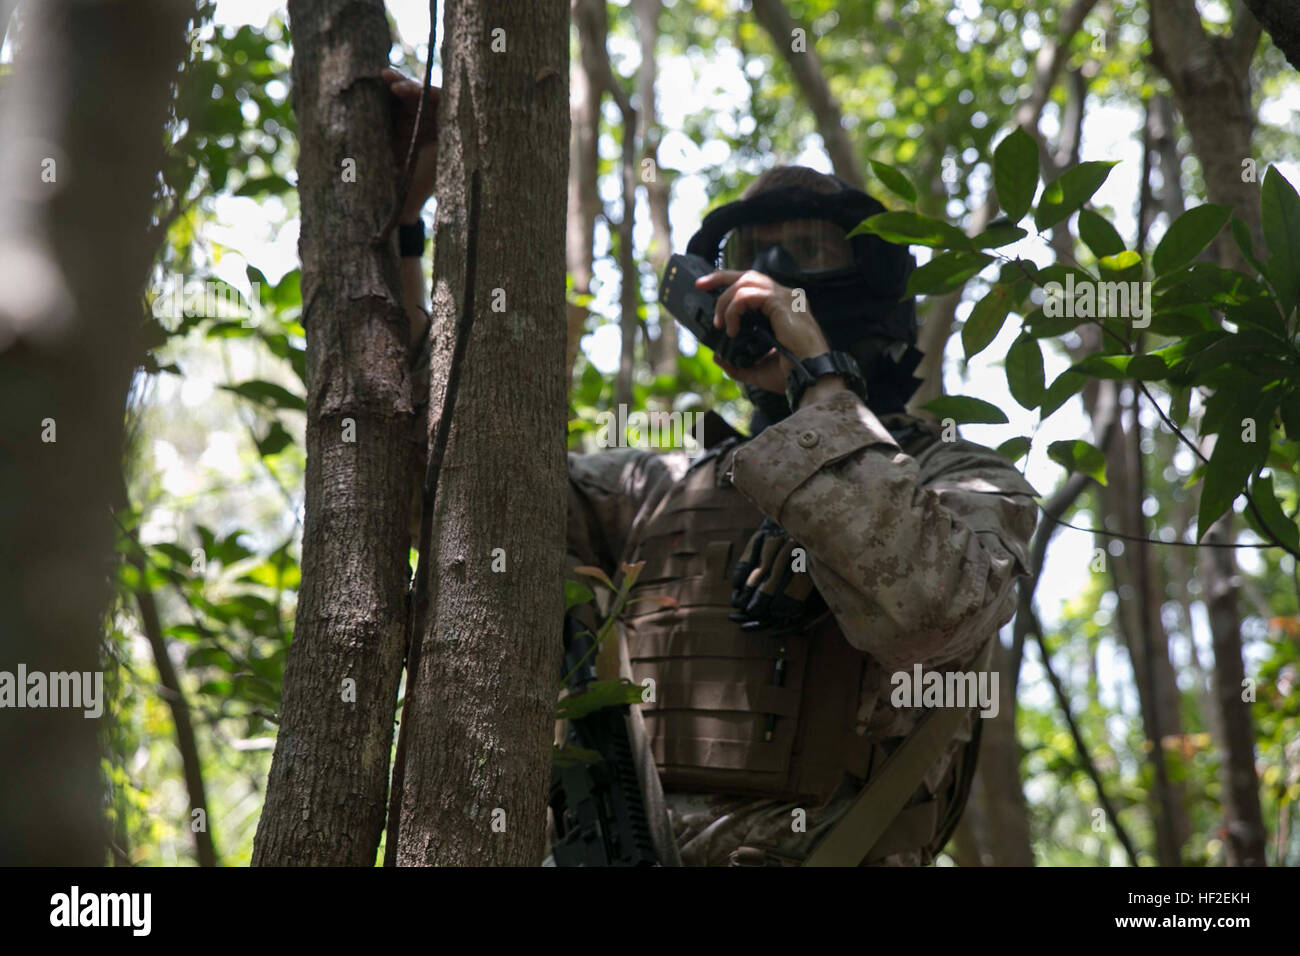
(584, 197)
(482, 703)
(1210, 77)
(80, 145)
(808, 76)
(325, 801)
(1279, 18)
(658, 193)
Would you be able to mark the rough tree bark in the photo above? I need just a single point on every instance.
(1281, 18)
(482, 713)
(80, 142)
(325, 801)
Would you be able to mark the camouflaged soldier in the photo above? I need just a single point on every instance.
(841, 543)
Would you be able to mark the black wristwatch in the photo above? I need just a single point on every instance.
(410, 239)
(819, 366)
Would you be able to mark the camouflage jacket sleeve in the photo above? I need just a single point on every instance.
(916, 557)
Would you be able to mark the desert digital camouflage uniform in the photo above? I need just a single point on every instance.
(916, 555)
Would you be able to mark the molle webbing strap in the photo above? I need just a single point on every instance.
(882, 800)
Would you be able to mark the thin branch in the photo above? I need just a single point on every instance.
(1089, 767)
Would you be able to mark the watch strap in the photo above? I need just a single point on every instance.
(809, 370)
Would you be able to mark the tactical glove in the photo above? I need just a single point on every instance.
(767, 590)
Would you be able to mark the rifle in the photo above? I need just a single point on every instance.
(599, 813)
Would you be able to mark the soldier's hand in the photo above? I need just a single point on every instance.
(424, 176)
(771, 586)
(793, 324)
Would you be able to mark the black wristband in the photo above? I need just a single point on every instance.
(819, 366)
(410, 239)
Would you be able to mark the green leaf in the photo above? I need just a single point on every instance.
(1280, 210)
(1275, 519)
(1058, 393)
(1241, 236)
(1291, 415)
(597, 695)
(1078, 455)
(1069, 191)
(576, 593)
(946, 272)
(1098, 234)
(909, 228)
(965, 410)
(999, 235)
(985, 321)
(1234, 460)
(1120, 261)
(1015, 173)
(1187, 236)
(276, 440)
(1025, 371)
(894, 181)
(268, 393)
(1014, 448)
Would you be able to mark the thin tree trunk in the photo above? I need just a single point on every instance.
(1210, 78)
(325, 801)
(173, 694)
(806, 66)
(481, 707)
(80, 144)
(658, 192)
(584, 197)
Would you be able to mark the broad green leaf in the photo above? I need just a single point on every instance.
(985, 321)
(276, 440)
(1120, 261)
(1190, 233)
(1280, 210)
(1000, 235)
(946, 272)
(1291, 414)
(1069, 191)
(1234, 458)
(597, 695)
(913, 229)
(1058, 393)
(965, 410)
(1025, 371)
(1078, 455)
(1241, 236)
(1015, 173)
(268, 393)
(1098, 234)
(1270, 509)
(894, 181)
(576, 593)
(1014, 448)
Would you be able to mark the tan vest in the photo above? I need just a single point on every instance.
(719, 721)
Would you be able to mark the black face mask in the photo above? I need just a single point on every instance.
(860, 308)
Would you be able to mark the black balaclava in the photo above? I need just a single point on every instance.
(860, 308)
